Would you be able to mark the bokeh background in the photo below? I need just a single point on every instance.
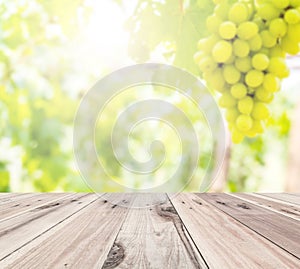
(52, 52)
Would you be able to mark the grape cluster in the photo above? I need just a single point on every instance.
(244, 58)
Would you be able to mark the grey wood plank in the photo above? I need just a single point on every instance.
(5, 195)
(152, 237)
(283, 197)
(26, 203)
(81, 241)
(277, 228)
(223, 241)
(10, 198)
(18, 231)
(290, 210)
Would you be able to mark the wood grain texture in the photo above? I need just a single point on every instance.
(7, 199)
(18, 231)
(277, 228)
(225, 242)
(286, 197)
(8, 195)
(281, 207)
(153, 237)
(26, 203)
(81, 241)
(149, 231)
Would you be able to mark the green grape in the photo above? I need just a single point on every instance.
(241, 48)
(207, 64)
(292, 16)
(227, 30)
(243, 64)
(227, 101)
(260, 61)
(254, 78)
(294, 3)
(238, 91)
(260, 111)
(255, 43)
(294, 32)
(268, 11)
(232, 114)
(257, 128)
(268, 39)
(289, 46)
(236, 136)
(231, 74)
(206, 44)
(251, 133)
(244, 123)
(238, 13)
(271, 83)
(260, 22)
(213, 23)
(215, 80)
(247, 30)
(281, 4)
(251, 9)
(222, 9)
(198, 56)
(263, 95)
(264, 51)
(245, 105)
(278, 67)
(222, 51)
(244, 58)
(278, 28)
(231, 59)
(277, 51)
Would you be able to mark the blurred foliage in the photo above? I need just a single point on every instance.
(36, 110)
(178, 25)
(32, 104)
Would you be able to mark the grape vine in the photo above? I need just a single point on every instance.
(243, 58)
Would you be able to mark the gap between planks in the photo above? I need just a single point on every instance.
(281, 231)
(277, 206)
(15, 209)
(223, 241)
(89, 233)
(153, 236)
(293, 199)
(17, 232)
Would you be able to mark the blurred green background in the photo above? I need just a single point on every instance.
(52, 52)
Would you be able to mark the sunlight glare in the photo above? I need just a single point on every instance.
(105, 38)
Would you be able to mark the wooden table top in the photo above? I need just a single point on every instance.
(68, 230)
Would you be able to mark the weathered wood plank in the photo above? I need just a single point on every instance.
(7, 199)
(225, 242)
(18, 231)
(81, 241)
(292, 211)
(26, 203)
(4, 195)
(283, 197)
(277, 228)
(153, 237)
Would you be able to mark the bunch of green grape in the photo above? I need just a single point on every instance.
(244, 58)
